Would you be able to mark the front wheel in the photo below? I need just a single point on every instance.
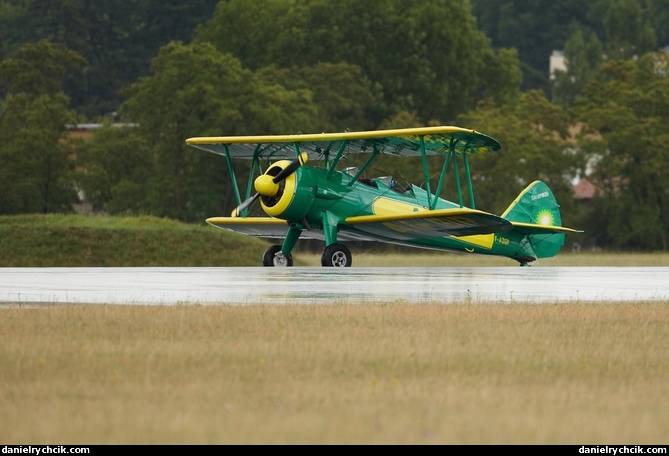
(275, 257)
(336, 255)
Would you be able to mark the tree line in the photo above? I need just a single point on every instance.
(287, 66)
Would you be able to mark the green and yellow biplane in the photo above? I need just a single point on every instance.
(335, 204)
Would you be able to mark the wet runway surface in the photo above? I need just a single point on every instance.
(314, 285)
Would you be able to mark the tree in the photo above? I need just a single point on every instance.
(343, 98)
(118, 39)
(409, 50)
(8, 14)
(535, 28)
(535, 145)
(197, 91)
(628, 35)
(584, 56)
(115, 165)
(194, 90)
(35, 160)
(657, 14)
(163, 21)
(627, 112)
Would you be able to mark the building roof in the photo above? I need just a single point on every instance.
(584, 189)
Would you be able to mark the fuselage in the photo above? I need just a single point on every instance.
(314, 197)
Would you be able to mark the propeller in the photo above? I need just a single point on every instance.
(267, 185)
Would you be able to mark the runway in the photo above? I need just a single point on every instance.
(315, 285)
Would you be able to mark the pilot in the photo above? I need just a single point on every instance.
(394, 185)
(364, 180)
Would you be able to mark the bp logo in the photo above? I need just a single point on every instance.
(545, 218)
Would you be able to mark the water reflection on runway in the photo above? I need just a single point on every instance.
(313, 285)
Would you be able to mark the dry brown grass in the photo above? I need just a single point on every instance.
(336, 374)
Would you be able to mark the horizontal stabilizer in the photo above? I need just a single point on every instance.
(532, 228)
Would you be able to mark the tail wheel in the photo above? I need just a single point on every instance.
(275, 257)
(336, 255)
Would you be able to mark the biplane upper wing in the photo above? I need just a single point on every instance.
(429, 224)
(403, 142)
(329, 147)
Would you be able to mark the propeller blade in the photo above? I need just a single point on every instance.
(284, 173)
(245, 205)
(291, 168)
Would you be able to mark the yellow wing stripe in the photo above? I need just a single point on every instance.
(481, 240)
(387, 206)
(246, 221)
(405, 132)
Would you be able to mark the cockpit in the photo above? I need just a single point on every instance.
(381, 182)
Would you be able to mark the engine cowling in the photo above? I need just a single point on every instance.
(290, 201)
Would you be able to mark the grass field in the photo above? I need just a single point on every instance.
(485, 373)
(336, 374)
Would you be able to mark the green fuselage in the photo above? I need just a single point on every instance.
(323, 200)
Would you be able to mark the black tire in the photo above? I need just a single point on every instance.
(270, 257)
(336, 255)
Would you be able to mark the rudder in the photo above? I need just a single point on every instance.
(536, 205)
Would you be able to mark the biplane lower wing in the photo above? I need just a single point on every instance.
(252, 226)
(273, 228)
(400, 227)
(429, 224)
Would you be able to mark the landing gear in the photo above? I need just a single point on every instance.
(336, 255)
(525, 262)
(275, 257)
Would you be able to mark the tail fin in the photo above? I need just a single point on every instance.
(536, 214)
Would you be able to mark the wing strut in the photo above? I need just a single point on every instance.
(331, 171)
(364, 166)
(423, 155)
(442, 178)
(457, 175)
(233, 179)
(465, 158)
